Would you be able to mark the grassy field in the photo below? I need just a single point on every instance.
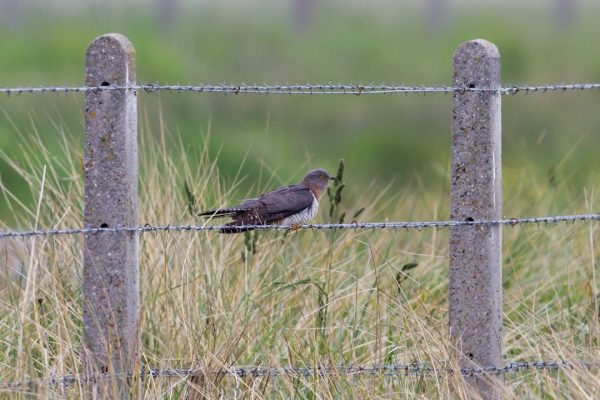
(298, 299)
(399, 139)
(308, 297)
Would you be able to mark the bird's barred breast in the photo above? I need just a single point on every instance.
(303, 216)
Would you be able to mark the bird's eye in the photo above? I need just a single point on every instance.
(323, 177)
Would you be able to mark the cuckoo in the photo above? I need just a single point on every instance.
(288, 205)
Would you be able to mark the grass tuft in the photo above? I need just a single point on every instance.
(303, 299)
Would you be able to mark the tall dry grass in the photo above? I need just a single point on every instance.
(297, 299)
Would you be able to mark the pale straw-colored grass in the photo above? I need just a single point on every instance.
(302, 299)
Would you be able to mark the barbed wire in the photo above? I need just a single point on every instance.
(416, 225)
(303, 89)
(399, 370)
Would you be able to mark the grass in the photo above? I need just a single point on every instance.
(305, 298)
(300, 299)
(388, 138)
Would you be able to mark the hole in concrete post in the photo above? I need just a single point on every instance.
(469, 219)
(104, 225)
(471, 86)
(105, 84)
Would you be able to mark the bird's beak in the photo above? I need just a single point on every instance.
(332, 178)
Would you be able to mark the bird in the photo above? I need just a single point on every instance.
(288, 205)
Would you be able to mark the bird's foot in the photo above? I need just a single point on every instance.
(295, 227)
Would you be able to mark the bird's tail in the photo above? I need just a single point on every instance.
(238, 225)
(234, 227)
(223, 212)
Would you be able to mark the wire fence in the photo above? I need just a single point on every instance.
(416, 225)
(236, 372)
(388, 370)
(303, 89)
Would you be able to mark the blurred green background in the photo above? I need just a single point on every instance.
(400, 140)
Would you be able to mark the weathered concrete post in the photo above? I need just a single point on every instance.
(111, 298)
(475, 287)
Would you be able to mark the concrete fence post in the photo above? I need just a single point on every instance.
(475, 277)
(111, 298)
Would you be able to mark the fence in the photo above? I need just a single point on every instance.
(391, 370)
(111, 308)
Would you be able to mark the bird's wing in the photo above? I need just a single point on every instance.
(288, 199)
(248, 204)
(273, 206)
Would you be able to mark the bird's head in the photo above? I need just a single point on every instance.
(317, 180)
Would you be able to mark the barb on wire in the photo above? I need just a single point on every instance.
(418, 225)
(406, 370)
(306, 89)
